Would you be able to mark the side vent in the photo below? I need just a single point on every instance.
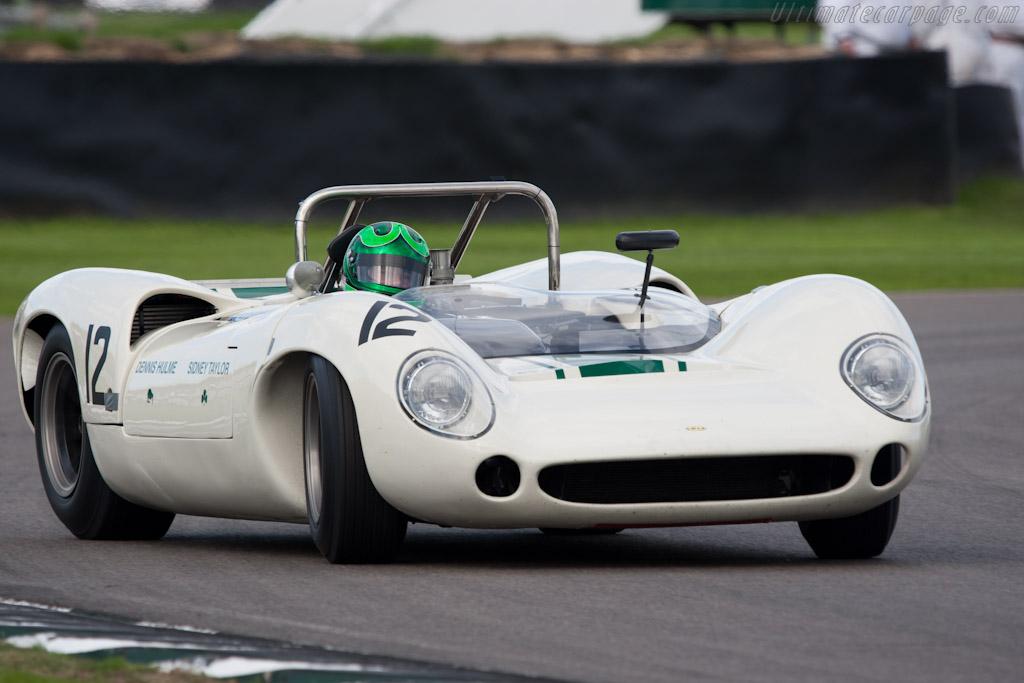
(166, 309)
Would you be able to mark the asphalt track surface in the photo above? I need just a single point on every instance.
(944, 603)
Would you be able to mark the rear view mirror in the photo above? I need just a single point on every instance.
(303, 278)
(647, 240)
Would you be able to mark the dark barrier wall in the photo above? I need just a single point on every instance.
(987, 135)
(252, 139)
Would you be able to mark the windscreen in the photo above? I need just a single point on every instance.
(499, 321)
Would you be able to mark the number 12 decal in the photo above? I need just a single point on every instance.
(384, 327)
(95, 397)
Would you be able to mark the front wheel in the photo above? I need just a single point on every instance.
(863, 535)
(76, 490)
(349, 520)
(857, 537)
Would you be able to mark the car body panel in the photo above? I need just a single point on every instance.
(87, 301)
(584, 271)
(205, 463)
(203, 415)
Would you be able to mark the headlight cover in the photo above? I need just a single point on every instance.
(883, 371)
(445, 396)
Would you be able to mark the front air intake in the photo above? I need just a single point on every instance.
(498, 476)
(685, 480)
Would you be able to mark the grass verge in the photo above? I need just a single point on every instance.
(168, 26)
(793, 34)
(35, 665)
(977, 242)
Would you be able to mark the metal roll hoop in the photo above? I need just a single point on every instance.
(484, 193)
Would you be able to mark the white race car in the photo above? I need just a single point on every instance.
(580, 393)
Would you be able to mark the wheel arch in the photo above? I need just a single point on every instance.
(276, 416)
(331, 326)
(29, 350)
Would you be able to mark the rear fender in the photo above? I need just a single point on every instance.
(96, 306)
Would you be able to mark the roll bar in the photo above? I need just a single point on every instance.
(484, 193)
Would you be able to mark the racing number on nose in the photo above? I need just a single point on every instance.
(102, 334)
(385, 327)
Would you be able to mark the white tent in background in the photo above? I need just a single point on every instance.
(575, 21)
(149, 5)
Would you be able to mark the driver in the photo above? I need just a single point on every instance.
(386, 258)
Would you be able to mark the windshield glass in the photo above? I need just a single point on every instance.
(499, 320)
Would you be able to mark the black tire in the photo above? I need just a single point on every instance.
(863, 535)
(551, 531)
(349, 520)
(74, 486)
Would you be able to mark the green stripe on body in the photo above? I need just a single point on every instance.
(257, 292)
(621, 367)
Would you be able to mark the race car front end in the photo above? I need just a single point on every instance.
(646, 442)
(825, 419)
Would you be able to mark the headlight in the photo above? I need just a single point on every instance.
(442, 394)
(886, 373)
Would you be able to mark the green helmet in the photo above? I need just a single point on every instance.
(387, 258)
